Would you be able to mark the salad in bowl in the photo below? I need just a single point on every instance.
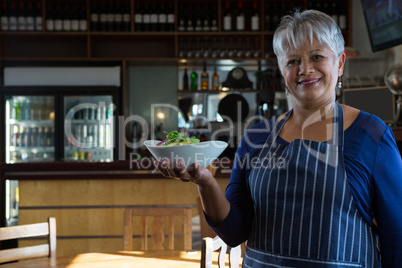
(177, 146)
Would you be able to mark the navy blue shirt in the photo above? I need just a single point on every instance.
(374, 171)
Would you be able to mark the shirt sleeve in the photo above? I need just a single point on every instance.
(388, 200)
(235, 229)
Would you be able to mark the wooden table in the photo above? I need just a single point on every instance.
(121, 259)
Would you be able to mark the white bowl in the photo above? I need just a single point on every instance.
(203, 153)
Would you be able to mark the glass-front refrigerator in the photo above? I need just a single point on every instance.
(29, 128)
(89, 128)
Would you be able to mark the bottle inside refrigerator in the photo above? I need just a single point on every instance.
(30, 129)
(88, 127)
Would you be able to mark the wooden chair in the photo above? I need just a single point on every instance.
(210, 245)
(158, 236)
(29, 230)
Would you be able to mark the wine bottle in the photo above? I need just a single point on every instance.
(21, 17)
(227, 18)
(38, 16)
(49, 18)
(67, 18)
(255, 19)
(30, 20)
(94, 17)
(110, 17)
(240, 21)
(275, 17)
(154, 18)
(138, 18)
(194, 80)
(185, 80)
(58, 22)
(334, 12)
(103, 18)
(146, 18)
(83, 19)
(215, 80)
(170, 18)
(189, 21)
(75, 23)
(214, 19)
(162, 18)
(198, 19)
(205, 79)
(12, 18)
(4, 16)
(342, 17)
(126, 18)
(182, 20)
(118, 18)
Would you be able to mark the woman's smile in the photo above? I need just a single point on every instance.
(309, 82)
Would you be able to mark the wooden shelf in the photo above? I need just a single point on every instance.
(211, 91)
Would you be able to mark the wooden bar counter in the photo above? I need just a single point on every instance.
(88, 199)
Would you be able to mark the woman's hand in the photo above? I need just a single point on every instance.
(193, 174)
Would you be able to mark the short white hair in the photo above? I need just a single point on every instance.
(296, 30)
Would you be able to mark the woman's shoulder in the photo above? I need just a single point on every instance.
(365, 124)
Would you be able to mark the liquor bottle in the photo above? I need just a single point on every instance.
(205, 79)
(268, 18)
(29, 19)
(58, 22)
(75, 23)
(214, 19)
(255, 19)
(118, 18)
(170, 18)
(12, 18)
(49, 18)
(83, 19)
(198, 19)
(185, 80)
(215, 80)
(4, 16)
(138, 18)
(94, 18)
(103, 18)
(275, 16)
(206, 19)
(162, 19)
(21, 17)
(189, 21)
(227, 18)
(67, 18)
(146, 18)
(154, 18)
(181, 27)
(16, 105)
(126, 17)
(38, 16)
(194, 80)
(110, 17)
(240, 22)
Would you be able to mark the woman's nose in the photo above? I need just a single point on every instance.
(305, 67)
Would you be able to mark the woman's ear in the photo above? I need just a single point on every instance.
(341, 64)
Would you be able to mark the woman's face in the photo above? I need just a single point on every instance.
(311, 73)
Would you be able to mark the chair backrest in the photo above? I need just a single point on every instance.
(158, 237)
(210, 245)
(25, 231)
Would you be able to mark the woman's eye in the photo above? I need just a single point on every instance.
(291, 62)
(317, 57)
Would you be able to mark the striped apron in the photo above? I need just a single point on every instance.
(304, 212)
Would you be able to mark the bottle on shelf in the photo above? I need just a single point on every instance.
(50, 18)
(194, 80)
(154, 18)
(75, 22)
(334, 12)
(275, 17)
(103, 18)
(214, 19)
(170, 18)
(110, 17)
(189, 22)
(206, 18)
(205, 79)
(4, 16)
(227, 18)
(240, 20)
(118, 18)
(82, 18)
(38, 16)
(30, 18)
(342, 17)
(146, 18)
(215, 80)
(67, 16)
(162, 18)
(126, 17)
(198, 19)
(138, 17)
(58, 21)
(185, 80)
(181, 25)
(255, 18)
(21, 17)
(94, 17)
